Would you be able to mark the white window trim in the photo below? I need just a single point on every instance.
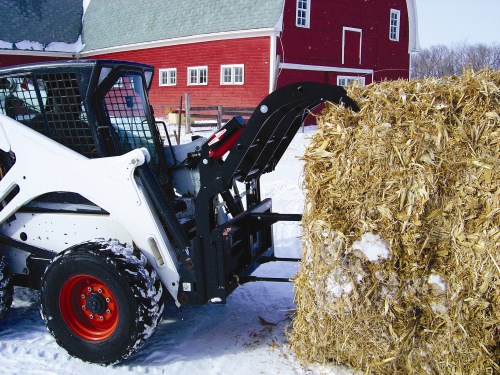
(351, 78)
(168, 71)
(232, 66)
(308, 14)
(398, 25)
(198, 68)
(356, 30)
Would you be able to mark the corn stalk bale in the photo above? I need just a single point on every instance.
(401, 230)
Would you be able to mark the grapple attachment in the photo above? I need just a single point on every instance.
(273, 125)
(241, 152)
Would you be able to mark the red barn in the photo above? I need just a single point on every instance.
(343, 40)
(226, 52)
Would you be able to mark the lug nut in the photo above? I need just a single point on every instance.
(101, 318)
(108, 311)
(91, 316)
(89, 289)
(108, 300)
(83, 296)
(84, 307)
(99, 290)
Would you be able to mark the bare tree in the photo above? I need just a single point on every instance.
(478, 56)
(496, 57)
(440, 60)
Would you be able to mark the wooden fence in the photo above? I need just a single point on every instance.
(216, 115)
(204, 116)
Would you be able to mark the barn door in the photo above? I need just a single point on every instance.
(351, 46)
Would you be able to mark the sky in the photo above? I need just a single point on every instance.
(452, 22)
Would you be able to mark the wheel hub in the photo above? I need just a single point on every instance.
(89, 307)
(96, 303)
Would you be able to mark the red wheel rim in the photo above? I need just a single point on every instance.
(88, 307)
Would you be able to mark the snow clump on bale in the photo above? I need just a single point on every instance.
(401, 230)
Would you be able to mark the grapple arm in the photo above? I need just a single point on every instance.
(272, 127)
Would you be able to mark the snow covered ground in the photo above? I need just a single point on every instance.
(245, 336)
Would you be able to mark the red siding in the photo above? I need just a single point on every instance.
(321, 44)
(393, 58)
(254, 53)
(287, 76)
(9, 60)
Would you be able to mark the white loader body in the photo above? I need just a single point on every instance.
(44, 166)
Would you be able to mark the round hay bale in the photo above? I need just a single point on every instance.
(401, 230)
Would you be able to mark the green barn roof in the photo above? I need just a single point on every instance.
(112, 23)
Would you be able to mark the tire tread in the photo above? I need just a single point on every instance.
(6, 288)
(140, 277)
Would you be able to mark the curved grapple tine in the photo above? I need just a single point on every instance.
(273, 125)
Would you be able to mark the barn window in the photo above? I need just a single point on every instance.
(197, 75)
(394, 25)
(303, 13)
(232, 74)
(168, 77)
(346, 80)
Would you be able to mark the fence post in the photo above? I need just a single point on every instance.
(178, 138)
(219, 116)
(188, 113)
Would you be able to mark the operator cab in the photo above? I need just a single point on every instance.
(97, 108)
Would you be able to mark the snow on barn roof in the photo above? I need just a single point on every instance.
(113, 23)
(41, 25)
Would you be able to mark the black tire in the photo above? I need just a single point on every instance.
(6, 288)
(101, 301)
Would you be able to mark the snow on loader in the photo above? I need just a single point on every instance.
(106, 221)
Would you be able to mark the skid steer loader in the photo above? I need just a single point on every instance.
(106, 219)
